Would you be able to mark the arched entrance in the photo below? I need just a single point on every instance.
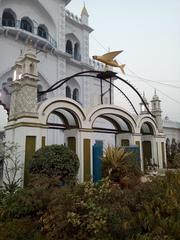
(110, 126)
(62, 124)
(147, 144)
(63, 117)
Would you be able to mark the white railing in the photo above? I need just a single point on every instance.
(16, 24)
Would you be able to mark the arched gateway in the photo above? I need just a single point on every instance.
(62, 120)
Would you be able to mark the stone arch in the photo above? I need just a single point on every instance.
(71, 106)
(151, 123)
(112, 113)
(9, 18)
(148, 129)
(27, 24)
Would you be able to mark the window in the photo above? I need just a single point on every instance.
(31, 68)
(8, 18)
(26, 24)
(68, 92)
(76, 94)
(69, 47)
(42, 31)
(77, 52)
(42, 97)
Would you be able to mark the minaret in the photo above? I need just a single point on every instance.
(86, 30)
(143, 109)
(84, 16)
(156, 110)
(24, 86)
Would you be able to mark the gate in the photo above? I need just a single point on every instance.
(97, 162)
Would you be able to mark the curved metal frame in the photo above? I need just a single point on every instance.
(102, 76)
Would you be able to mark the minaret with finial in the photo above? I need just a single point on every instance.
(86, 30)
(143, 109)
(156, 110)
(24, 86)
(84, 16)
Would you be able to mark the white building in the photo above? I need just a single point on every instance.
(44, 31)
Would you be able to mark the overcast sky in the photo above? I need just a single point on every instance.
(149, 33)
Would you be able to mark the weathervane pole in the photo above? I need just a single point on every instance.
(101, 91)
(110, 93)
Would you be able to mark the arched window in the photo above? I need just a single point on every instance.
(42, 31)
(69, 47)
(26, 24)
(68, 92)
(77, 52)
(76, 94)
(31, 68)
(42, 97)
(8, 18)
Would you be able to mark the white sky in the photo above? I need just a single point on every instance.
(149, 33)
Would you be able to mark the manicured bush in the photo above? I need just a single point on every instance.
(56, 160)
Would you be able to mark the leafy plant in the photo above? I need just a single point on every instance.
(119, 165)
(91, 211)
(56, 160)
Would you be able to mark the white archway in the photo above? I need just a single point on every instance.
(48, 106)
(111, 110)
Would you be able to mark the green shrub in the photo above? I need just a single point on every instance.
(21, 229)
(120, 166)
(56, 160)
(101, 211)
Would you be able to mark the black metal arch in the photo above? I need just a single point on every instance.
(102, 76)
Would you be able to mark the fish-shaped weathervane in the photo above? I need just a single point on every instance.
(109, 60)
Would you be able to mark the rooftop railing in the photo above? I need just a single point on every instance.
(16, 24)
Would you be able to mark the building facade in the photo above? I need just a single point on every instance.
(46, 43)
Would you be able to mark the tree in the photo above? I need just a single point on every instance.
(12, 166)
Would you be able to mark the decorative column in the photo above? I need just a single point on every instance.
(24, 87)
(160, 139)
(23, 128)
(86, 31)
(156, 110)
